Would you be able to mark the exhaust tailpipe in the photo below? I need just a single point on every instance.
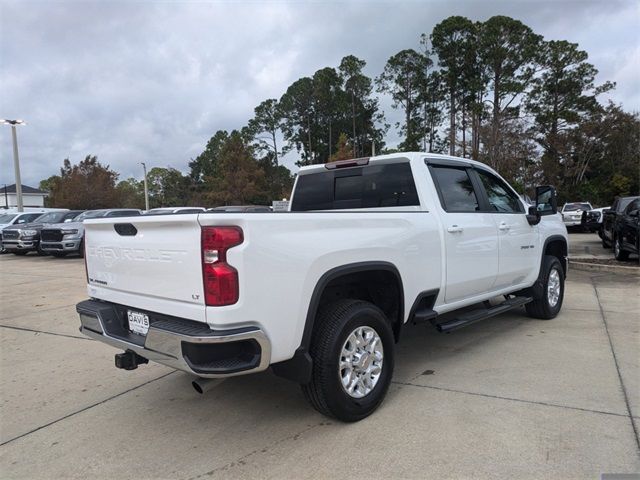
(202, 385)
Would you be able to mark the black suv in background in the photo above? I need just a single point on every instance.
(24, 238)
(609, 218)
(626, 231)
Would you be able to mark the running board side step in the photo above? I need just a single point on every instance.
(482, 314)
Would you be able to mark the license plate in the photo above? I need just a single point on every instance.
(138, 322)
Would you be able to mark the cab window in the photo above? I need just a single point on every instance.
(455, 189)
(501, 198)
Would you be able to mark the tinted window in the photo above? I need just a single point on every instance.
(635, 205)
(456, 190)
(123, 213)
(572, 207)
(373, 186)
(623, 203)
(7, 218)
(501, 198)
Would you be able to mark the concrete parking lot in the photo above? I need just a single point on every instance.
(510, 397)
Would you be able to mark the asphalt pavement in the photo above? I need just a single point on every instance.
(510, 397)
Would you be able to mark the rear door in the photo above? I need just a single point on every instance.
(518, 242)
(470, 235)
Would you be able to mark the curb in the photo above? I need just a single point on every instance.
(596, 267)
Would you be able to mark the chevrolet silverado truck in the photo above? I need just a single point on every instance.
(321, 293)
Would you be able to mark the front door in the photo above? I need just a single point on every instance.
(470, 236)
(518, 242)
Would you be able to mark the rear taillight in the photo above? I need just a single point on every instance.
(220, 279)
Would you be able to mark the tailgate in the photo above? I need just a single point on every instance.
(152, 263)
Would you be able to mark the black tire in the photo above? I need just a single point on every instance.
(81, 249)
(618, 252)
(41, 252)
(59, 254)
(334, 323)
(541, 307)
(605, 244)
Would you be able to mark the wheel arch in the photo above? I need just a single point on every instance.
(364, 276)
(556, 246)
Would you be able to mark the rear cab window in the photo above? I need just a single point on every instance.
(455, 189)
(371, 186)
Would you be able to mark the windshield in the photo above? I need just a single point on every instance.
(90, 214)
(572, 207)
(55, 217)
(7, 217)
(624, 202)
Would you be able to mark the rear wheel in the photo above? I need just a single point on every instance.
(352, 348)
(549, 304)
(618, 252)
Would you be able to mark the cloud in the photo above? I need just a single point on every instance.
(152, 81)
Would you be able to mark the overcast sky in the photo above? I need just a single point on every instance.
(134, 81)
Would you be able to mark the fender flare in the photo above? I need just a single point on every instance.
(299, 367)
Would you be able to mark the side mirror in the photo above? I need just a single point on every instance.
(533, 216)
(546, 200)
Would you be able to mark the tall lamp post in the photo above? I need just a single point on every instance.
(146, 190)
(16, 160)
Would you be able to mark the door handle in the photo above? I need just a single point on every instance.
(504, 227)
(454, 229)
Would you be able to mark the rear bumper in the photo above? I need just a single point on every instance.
(178, 343)
(63, 246)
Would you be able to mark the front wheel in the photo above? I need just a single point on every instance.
(549, 304)
(618, 252)
(353, 351)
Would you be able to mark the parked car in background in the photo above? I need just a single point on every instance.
(24, 238)
(15, 218)
(627, 231)
(572, 213)
(68, 237)
(592, 220)
(172, 210)
(241, 209)
(609, 219)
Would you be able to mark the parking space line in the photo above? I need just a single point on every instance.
(84, 409)
(42, 310)
(520, 400)
(42, 331)
(615, 361)
(259, 450)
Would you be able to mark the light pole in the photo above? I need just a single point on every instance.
(16, 160)
(146, 190)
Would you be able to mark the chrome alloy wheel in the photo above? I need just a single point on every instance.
(361, 362)
(553, 288)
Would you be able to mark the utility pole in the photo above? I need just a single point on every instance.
(16, 160)
(146, 190)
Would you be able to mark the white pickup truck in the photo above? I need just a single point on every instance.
(321, 293)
